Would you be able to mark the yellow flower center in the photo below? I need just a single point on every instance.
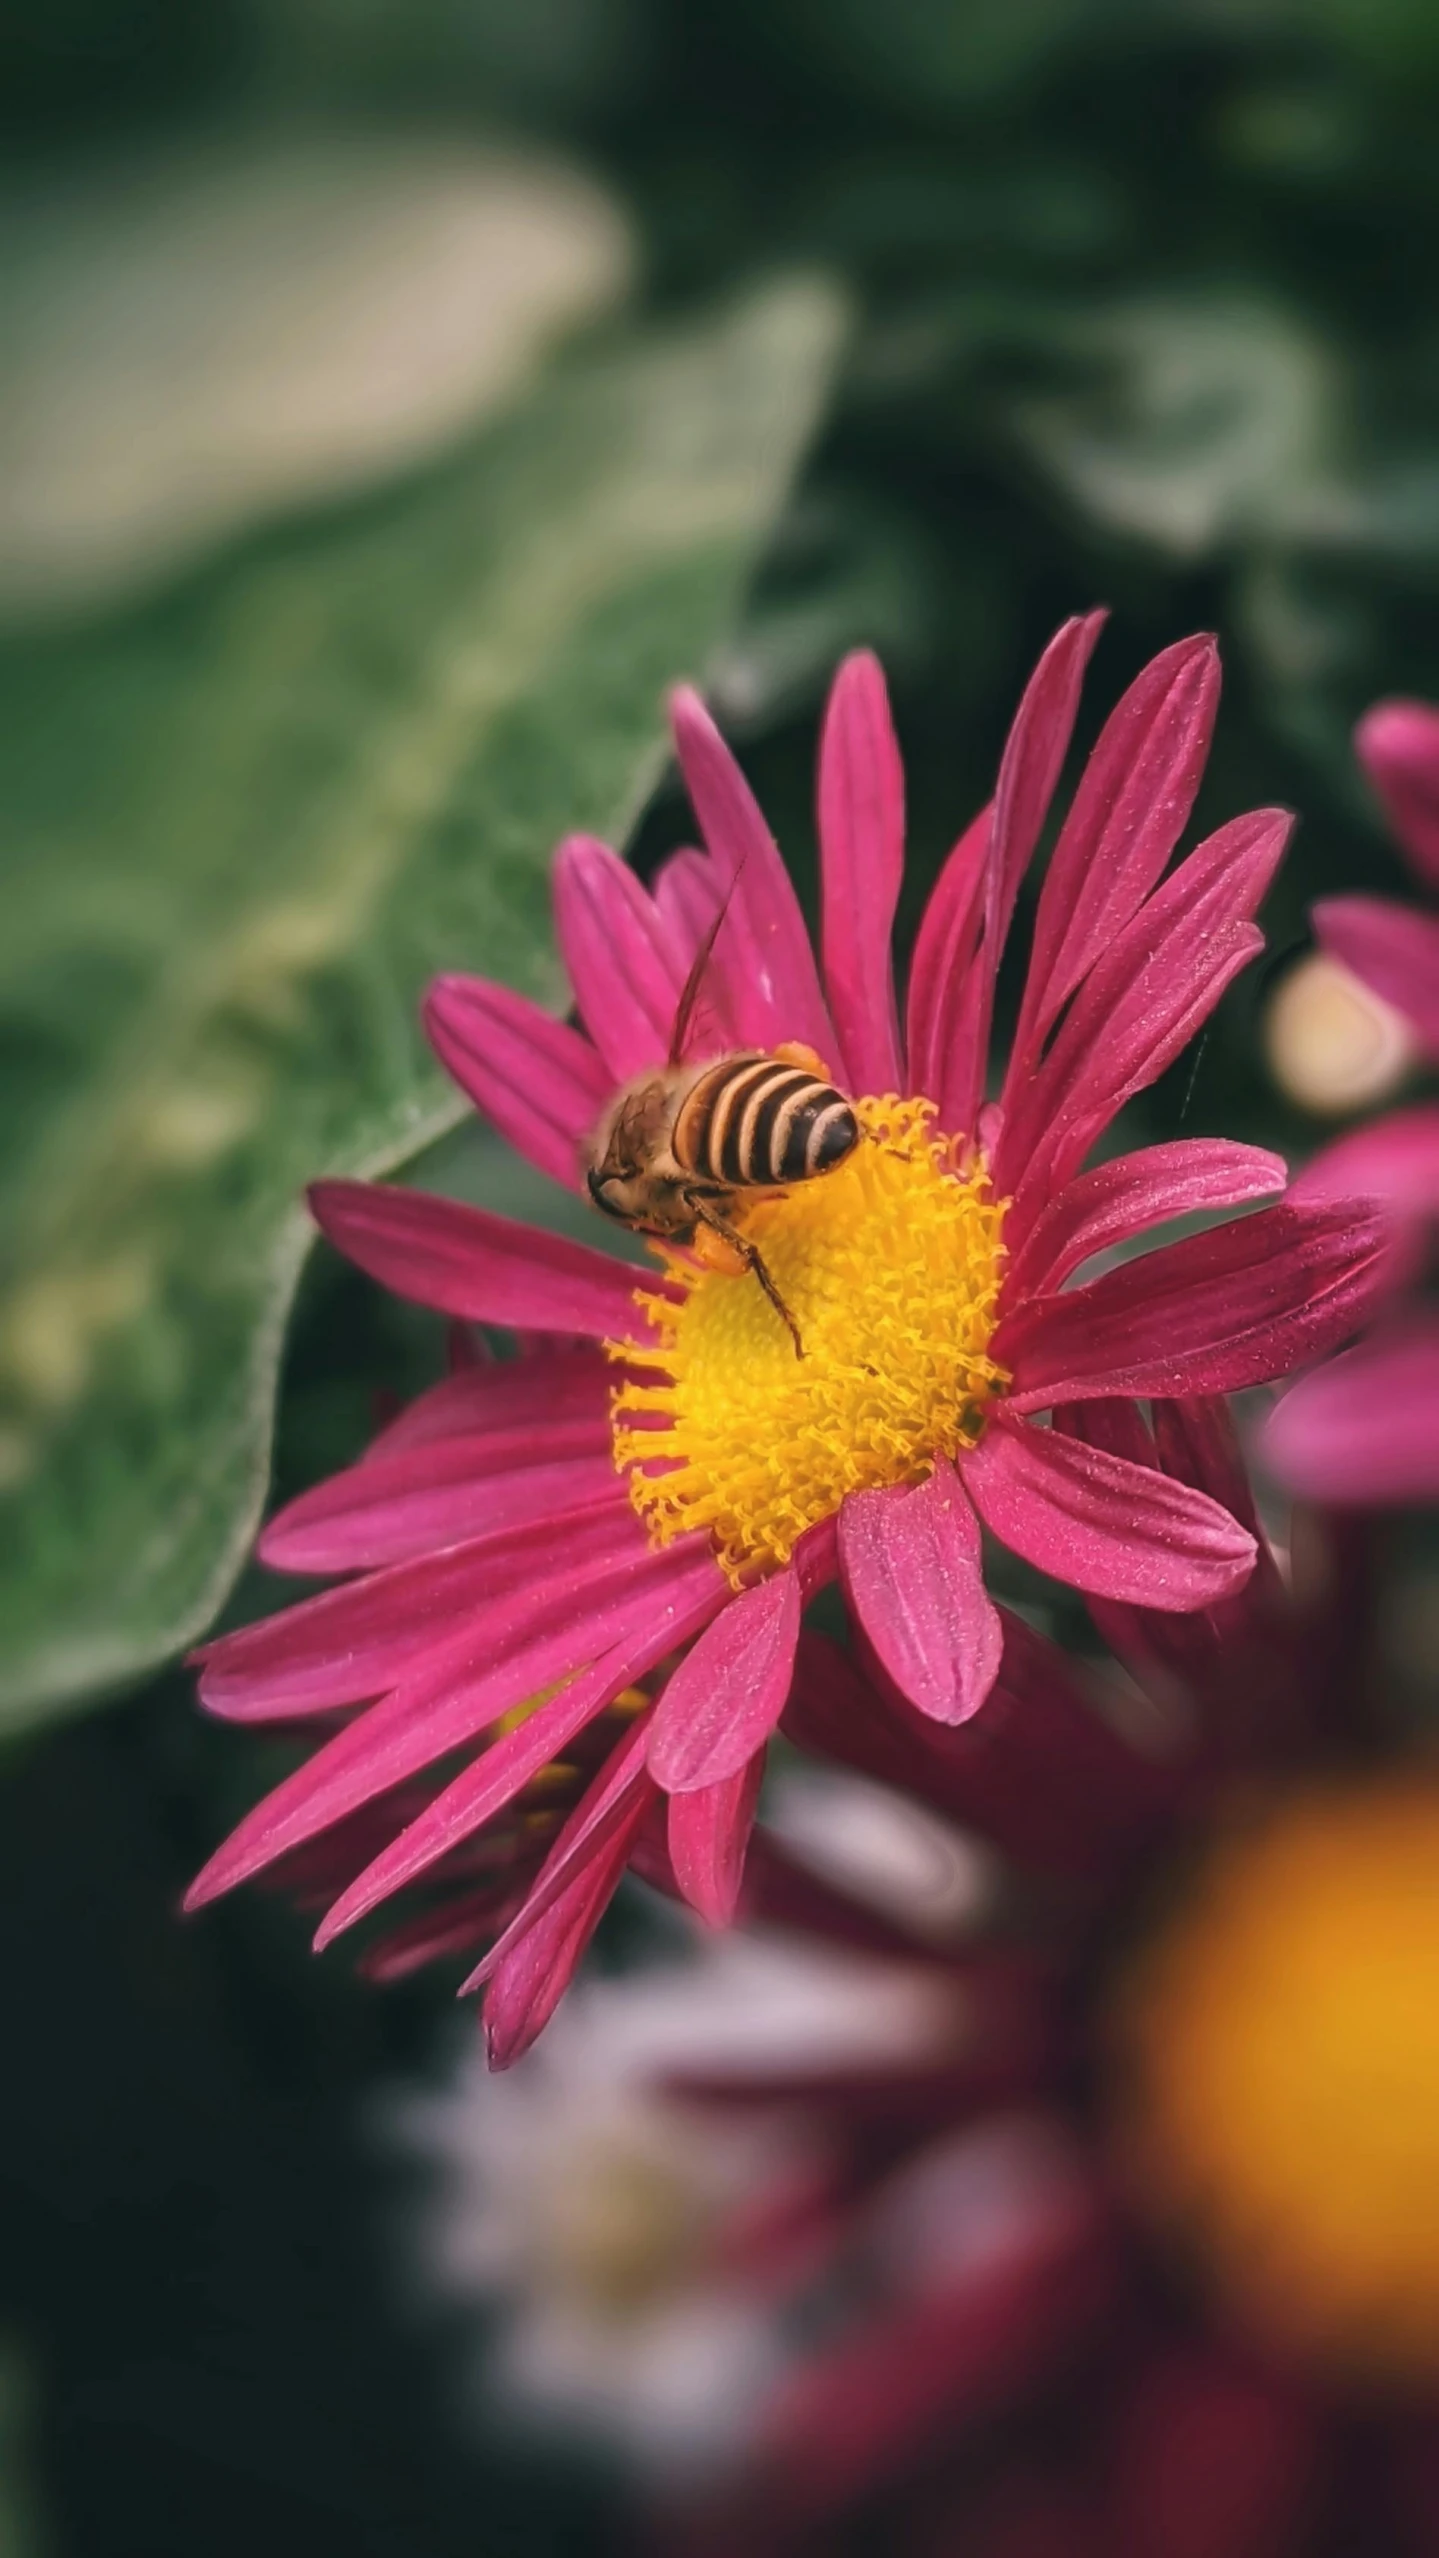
(889, 1266)
(1280, 2043)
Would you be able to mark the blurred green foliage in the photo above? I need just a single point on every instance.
(250, 821)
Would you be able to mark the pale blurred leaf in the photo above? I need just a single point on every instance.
(246, 824)
(198, 335)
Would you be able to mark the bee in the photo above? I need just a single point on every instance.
(681, 1145)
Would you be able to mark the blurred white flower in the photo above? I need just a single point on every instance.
(590, 2215)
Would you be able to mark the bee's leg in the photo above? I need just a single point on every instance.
(714, 1230)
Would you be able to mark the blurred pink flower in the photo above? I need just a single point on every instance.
(652, 1508)
(1145, 2263)
(1365, 1429)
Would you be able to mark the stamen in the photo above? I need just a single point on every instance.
(890, 1268)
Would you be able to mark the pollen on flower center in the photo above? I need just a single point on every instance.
(1281, 2051)
(890, 1268)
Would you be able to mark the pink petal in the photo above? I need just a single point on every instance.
(535, 1079)
(910, 1564)
(689, 892)
(1029, 770)
(1364, 1430)
(1398, 745)
(937, 2364)
(1214, 2461)
(709, 1830)
(605, 1807)
(528, 1986)
(1396, 1160)
(1235, 1306)
(550, 1387)
(861, 835)
(600, 1641)
(939, 1036)
(1393, 948)
(1162, 975)
(1032, 762)
(347, 1644)
(466, 1262)
(769, 961)
(422, 1498)
(726, 1697)
(623, 961)
(1132, 803)
(1130, 1192)
(1121, 1530)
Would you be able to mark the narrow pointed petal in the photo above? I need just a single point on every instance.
(910, 1563)
(1133, 800)
(424, 1498)
(548, 1388)
(938, 1036)
(534, 1078)
(1032, 762)
(1028, 774)
(1398, 746)
(350, 1643)
(1120, 1198)
(616, 1634)
(709, 1830)
(624, 1784)
(772, 967)
(621, 957)
(1394, 949)
(1140, 1002)
(727, 1695)
(1123, 1531)
(861, 836)
(528, 1986)
(1235, 1306)
(463, 1261)
(1365, 1430)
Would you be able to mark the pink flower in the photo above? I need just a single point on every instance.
(1366, 1428)
(1147, 2265)
(652, 1508)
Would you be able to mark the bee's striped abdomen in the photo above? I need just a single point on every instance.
(755, 1123)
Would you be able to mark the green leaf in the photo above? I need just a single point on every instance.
(247, 823)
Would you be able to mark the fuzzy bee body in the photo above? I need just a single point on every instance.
(681, 1146)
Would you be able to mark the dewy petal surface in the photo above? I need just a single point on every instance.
(466, 1262)
(727, 1695)
(861, 839)
(620, 954)
(1122, 1197)
(536, 1080)
(1133, 800)
(1235, 1306)
(773, 965)
(1103, 1524)
(910, 1564)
